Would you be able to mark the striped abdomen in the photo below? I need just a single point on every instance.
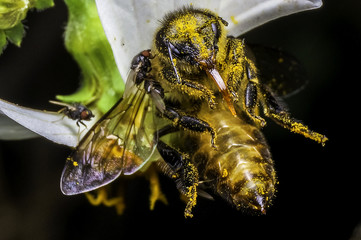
(240, 170)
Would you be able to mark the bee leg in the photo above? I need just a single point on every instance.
(189, 123)
(251, 93)
(201, 91)
(274, 109)
(243, 67)
(251, 102)
(184, 173)
(188, 87)
(234, 52)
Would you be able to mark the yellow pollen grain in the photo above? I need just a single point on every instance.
(224, 173)
(233, 19)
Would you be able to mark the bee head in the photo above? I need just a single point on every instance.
(193, 40)
(189, 38)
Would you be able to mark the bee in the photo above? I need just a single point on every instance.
(192, 103)
(75, 111)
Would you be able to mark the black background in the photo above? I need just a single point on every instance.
(319, 191)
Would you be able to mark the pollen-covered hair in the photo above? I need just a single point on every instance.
(175, 21)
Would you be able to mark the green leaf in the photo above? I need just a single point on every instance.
(42, 4)
(86, 41)
(12, 12)
(15, 34)
(2, 41)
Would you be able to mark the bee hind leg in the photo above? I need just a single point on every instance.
(274, 109)
(183, 172)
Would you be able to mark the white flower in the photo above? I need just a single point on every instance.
(15, 122)
(129, 26)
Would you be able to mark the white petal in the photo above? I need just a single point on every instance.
(130, 24)
(51, 125)
(11, 130)
(247, 15)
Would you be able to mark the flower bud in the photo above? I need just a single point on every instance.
(12, 12)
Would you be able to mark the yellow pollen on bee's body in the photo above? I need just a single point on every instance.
(187, 28)
(302, 129)
(224, 173)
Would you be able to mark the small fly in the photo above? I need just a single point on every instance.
(75, 111)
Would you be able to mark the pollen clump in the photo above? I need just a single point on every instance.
(224, 173)
(188, 28)
(191, 190)
(300, 128)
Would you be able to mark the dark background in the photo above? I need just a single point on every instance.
(319, 187)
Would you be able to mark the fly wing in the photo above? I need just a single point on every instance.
(121, 142)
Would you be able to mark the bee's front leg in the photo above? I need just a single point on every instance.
(192, 89)
(183, 172)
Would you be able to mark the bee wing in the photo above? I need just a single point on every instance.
(119, 143)
(280, 71)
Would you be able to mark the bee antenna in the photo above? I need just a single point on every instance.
(224, 22)
(172, 61)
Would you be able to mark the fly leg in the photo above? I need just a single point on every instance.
(181, 169)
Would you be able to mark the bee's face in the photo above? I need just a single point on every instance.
(190, 38)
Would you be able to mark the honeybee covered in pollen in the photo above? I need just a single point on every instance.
(193, 104)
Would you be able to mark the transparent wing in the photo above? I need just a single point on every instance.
(280, 71)
(121, 142)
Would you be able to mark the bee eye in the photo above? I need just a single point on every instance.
(184, 51)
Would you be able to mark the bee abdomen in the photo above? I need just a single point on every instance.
(241, 169)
